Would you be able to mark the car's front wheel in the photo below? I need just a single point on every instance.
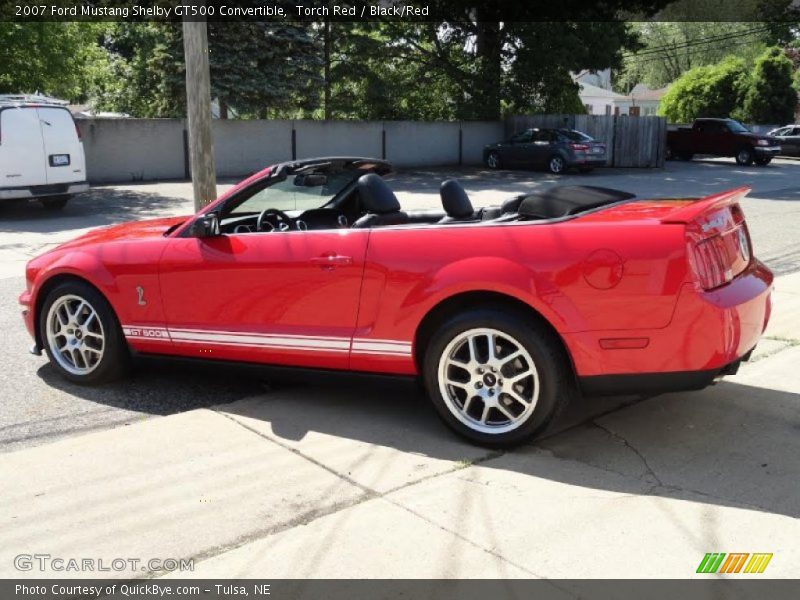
(496, 377)
(493, 160)
(81, 335)
(55, 202)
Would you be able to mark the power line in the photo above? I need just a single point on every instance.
(708, 39)
(692, 43)
(692, 53)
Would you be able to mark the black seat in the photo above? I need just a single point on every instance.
(379, 202)
(509, 207)
(455, 202)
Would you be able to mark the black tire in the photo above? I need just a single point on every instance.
(114, 360)
(556, 382)
(686, 156)
(493, 160)
(54, 202)
(745, 156)
(668, 153)
(556, 164)
(763, 161)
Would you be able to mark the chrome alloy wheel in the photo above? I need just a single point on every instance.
(488, 380)
(493, 160)
(75, 335)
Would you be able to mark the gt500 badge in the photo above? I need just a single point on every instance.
(145, 332)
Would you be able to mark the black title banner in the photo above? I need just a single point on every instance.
(348, 589)
(398, 10)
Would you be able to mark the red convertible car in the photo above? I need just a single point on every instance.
(505, 312)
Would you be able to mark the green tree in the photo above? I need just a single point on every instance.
(259, 68)
(57, 59)
(708, 91)
(770, 97)
(491, 65)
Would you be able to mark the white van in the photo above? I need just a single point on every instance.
(41, 152)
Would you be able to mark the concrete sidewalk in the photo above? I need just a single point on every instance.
(325, 482)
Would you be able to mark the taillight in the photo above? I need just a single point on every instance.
(709, 264)
(77, 130)
(719, 246)
(580, 146)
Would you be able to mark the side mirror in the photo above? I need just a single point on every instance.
(205, 226)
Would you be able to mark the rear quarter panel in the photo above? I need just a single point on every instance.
(580, 276)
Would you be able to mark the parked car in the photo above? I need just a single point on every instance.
(721, 137)
(555, 149)
(505, 312)
(789, 139)
(41, 153)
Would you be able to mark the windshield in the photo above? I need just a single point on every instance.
(301, 192)
(737, 127)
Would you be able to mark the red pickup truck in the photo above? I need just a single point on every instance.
(721, 137)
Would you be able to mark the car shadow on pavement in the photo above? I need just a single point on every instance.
(95, 208)
(730, 445)
(162, 387)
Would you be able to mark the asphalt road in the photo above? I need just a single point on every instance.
(38, 406)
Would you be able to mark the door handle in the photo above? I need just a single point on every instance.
(330, 261)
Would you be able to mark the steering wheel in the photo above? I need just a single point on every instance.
(276, 219)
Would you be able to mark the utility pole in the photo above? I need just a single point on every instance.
(327, 53)
(198, 111)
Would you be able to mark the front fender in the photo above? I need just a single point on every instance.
(82, 264)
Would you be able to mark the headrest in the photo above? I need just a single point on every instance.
(562, 201)
(376, 196)
(455, 200)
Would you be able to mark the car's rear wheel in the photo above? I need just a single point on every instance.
(556, 164)
(764, 161)
(496, 377)
(669, 154)
(744, 156)
(493, 161)
(55, 202)
(81, 334)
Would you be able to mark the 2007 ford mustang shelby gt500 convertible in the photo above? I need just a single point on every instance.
(505, 312)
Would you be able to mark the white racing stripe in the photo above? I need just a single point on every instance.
(270, 340)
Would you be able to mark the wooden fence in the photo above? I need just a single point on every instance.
(631, 141)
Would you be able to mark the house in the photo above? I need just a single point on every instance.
(641, 101)
(597, 100)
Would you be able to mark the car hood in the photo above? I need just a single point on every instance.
(758, 136)
(126, 231)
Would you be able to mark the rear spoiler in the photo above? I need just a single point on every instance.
(690, 212)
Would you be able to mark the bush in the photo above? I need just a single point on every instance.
(708, 91)
(770, 97)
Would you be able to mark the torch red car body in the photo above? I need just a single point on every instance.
(629, 295)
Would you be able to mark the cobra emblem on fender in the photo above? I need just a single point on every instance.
(140, 293)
